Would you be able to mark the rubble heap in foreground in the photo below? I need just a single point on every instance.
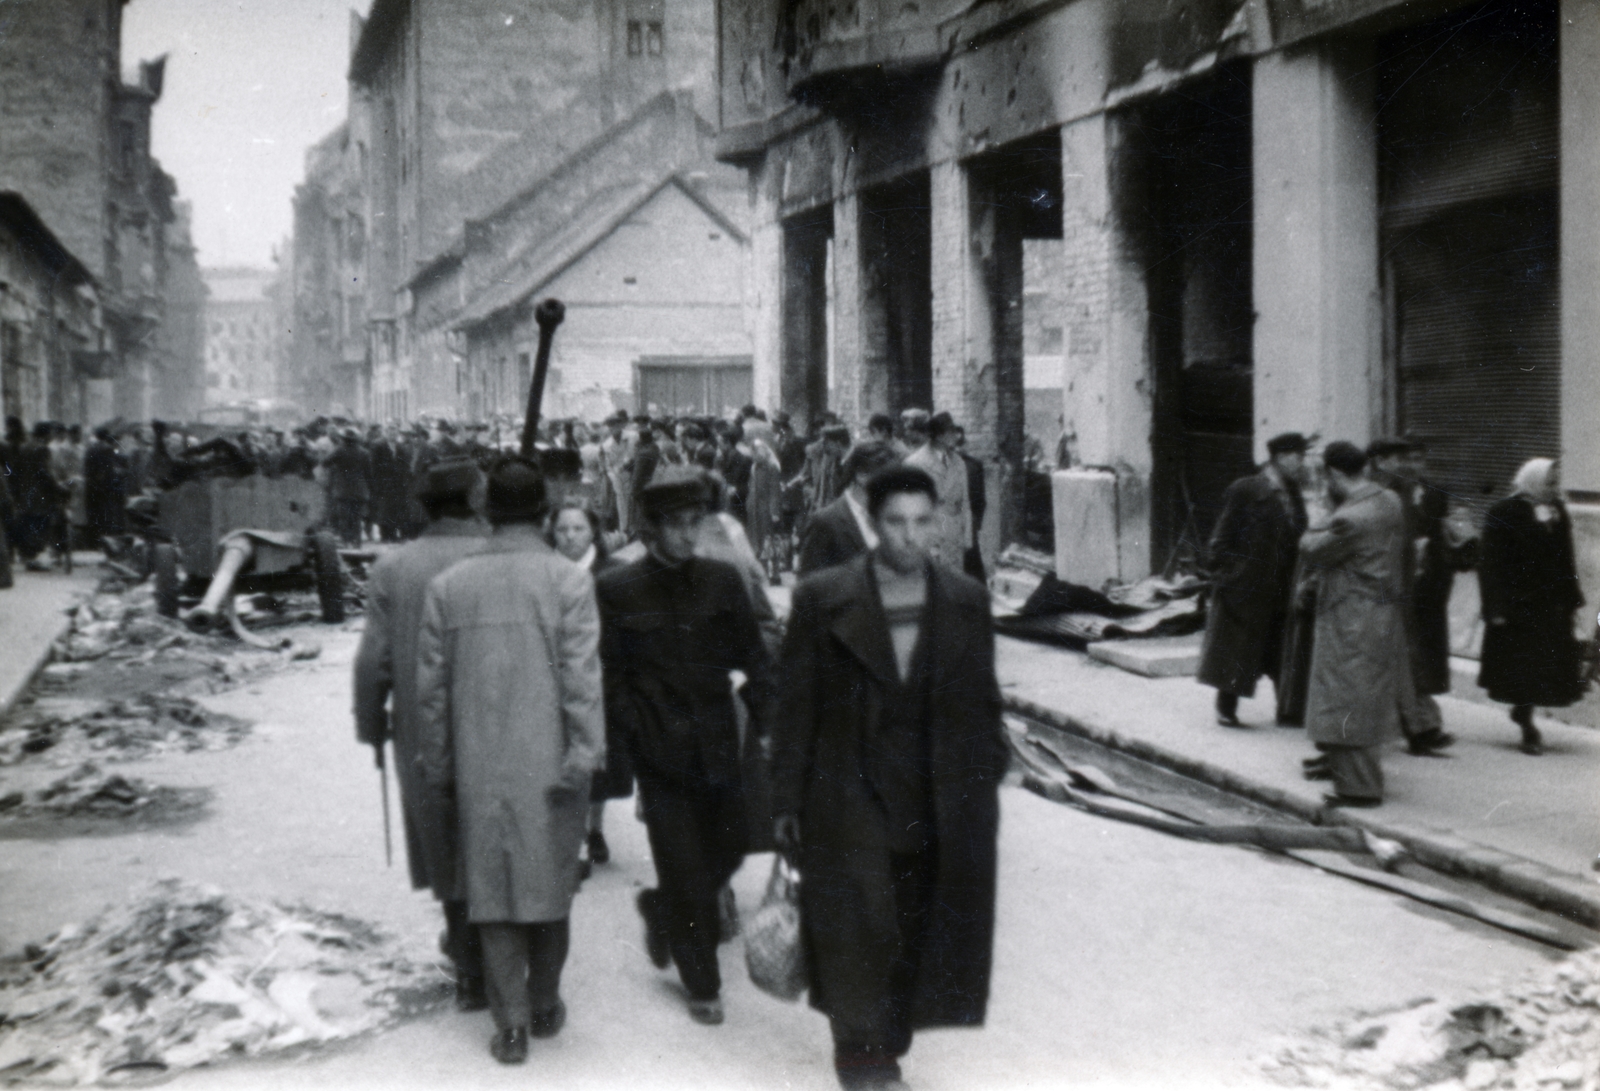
(183, 975)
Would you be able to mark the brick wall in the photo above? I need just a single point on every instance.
(58, 66)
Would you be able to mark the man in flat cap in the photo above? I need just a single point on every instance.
(674, 627)
(386, 697)
(1251, 559)
(511, 726)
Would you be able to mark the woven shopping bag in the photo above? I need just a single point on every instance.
(773, 951)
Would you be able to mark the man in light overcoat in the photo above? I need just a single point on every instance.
(1361, 682)
(512, 727)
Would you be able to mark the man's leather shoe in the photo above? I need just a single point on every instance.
(656, 944)
(1429, 745)
(470, 994)
(1228, 719)
(1317, 772)
(547, 1024)
(1334, 799)
(510, 1046)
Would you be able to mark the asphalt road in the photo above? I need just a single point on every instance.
(1124, 958)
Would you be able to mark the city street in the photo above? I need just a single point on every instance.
(1123, 957)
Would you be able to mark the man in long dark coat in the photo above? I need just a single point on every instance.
(1361, 684)
(510, 723)
(1427, 572)
(386, 700)
(1250, 559)
(887, 758)
(675, 626)
(105, 486)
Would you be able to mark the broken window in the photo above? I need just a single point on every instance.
(652, 39)
(635, 37)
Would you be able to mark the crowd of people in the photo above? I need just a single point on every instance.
(566, 652)
(1348, 612)
(62, 490)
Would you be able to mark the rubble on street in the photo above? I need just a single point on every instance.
(183, 975)
(89, 791)
(1542, 1034)
(67, 730)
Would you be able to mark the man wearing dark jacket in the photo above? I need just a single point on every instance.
(1251, 559)
(887, 760)
(349, 487)
(843, 529)
(386, 699)
(673, 628)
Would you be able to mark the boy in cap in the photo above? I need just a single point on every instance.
(674, 626)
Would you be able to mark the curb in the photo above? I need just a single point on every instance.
(41, 660)
(1537, 884)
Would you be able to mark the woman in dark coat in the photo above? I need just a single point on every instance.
(1529, 586)
(576, 534)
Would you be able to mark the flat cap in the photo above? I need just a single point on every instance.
(450, 479)
(1288, 443)
(1384, 446)
(675, 488)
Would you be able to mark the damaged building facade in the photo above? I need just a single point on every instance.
(538, 147)
(1342, 217)
(75, 145)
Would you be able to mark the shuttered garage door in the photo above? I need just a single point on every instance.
(1468, 123)
(1478, 323)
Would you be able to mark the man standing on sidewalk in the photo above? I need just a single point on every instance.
(1360, 665)
(1250, 559)
(386, 700)
(676, 625)
(511, 725)
(1427, 571)
(887, 760)
(940, 460)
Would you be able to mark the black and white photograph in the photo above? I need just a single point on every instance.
(706, 545)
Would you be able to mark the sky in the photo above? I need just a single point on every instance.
(249, 87)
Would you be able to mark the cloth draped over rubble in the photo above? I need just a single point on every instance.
(183, 975)
(1542, 1034)
(1032, 603)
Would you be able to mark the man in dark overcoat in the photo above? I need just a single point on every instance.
(887, 758)
(843, 529)
(1250, 560)
(674, 627)
(105, 486)
(349, 486)
(1427, 572)
(386, 699)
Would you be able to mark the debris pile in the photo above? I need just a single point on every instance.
(183, 975)
(88, 791)
(1032, 603)
(66, 731)
(1542, 1035)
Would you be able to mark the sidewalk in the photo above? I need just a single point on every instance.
(1527, 826)
(32, 615)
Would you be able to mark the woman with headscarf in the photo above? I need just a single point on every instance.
(1529, 586)
(575, 533)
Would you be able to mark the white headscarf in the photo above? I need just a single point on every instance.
(1533, 481)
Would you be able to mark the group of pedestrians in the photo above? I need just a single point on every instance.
(525, 673)
(1348, 612)
(58, 491)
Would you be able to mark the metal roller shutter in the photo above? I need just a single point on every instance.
(1470, 159)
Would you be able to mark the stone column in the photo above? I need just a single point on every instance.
(763, 296)
(1105, 378)
(964, 241)
(852, 396)
(1318, 349)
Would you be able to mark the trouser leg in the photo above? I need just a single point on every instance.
(547, 954)
(1357, 773)
(6, 579)
(462, 941)
(1227, 703)
(697, 838)
(505, 964)
(868, 1044)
